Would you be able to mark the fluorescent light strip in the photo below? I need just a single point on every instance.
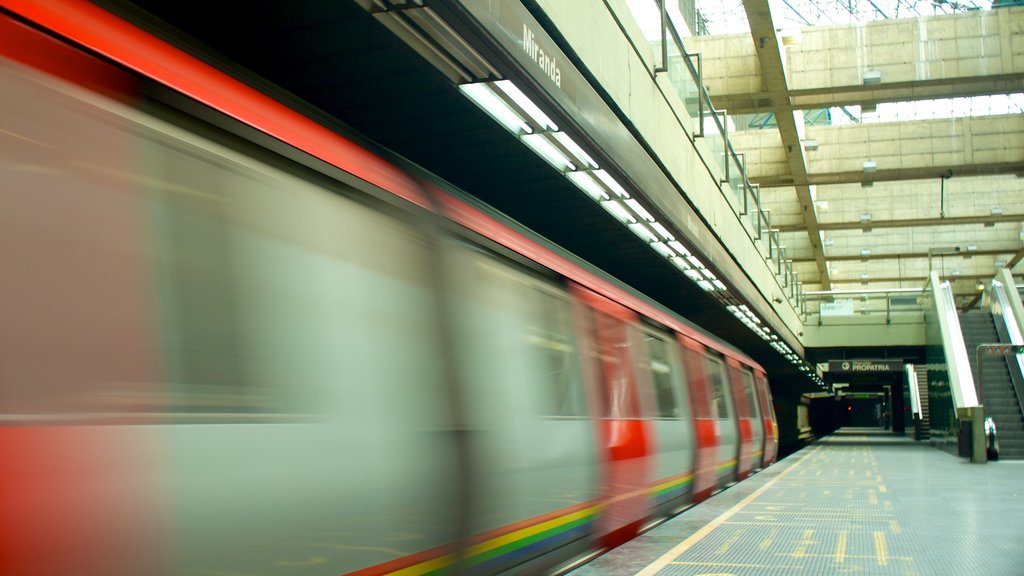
(546, 150)
(693, 275)
(663, 232)
(482, 95)
(695, 262)
(675, 244)
(573, 147)
(610, 182)
(664, 250)
(526, 104)
(681, 264)
(587, 183)
(709, 274)
(616, 209)
(639, 210)
(706, 286)
(643, 232)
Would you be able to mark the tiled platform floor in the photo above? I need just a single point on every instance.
(858, 502)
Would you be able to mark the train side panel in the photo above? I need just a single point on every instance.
(626, 437)
(661, 377)
(723, 411)
(705, 462)
(268, 370)
(771, 427)
(532, 445)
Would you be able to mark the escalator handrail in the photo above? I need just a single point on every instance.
(1009, 332)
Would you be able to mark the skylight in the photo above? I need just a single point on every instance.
(964, 107)
(728, 16)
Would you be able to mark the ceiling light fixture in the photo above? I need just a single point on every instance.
(521, 100)
(483, 96)
(546, 150)
(587, 183)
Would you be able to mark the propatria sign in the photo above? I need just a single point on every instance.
(865, 366)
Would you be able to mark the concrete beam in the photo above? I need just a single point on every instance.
(907, 256)
(967, 54)
(910, 278)
(770, 55)
(920, 149)
(912, 223)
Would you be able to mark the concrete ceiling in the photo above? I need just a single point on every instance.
(870, 204)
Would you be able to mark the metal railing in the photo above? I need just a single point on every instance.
(727, 167)
(874, 305)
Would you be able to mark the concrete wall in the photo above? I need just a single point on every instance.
(918, 144)
(854, 332)
(921, 144)
(978, 43)
(624, 67)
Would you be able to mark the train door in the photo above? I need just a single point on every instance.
(755, 410)
(533, 448)
(726, 423)
(660, 372)
(744, 421)
(705, 461)
(626, 437)
(771, 427)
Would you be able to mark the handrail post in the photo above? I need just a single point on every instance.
(742, 156)
(664, 38)
(755, 189)
(725, 143)
(700, 94)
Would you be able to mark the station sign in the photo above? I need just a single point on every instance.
(837, 308)
(865, 366)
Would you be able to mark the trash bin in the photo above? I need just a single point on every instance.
(964, 439)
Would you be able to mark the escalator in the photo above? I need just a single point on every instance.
(999, 395)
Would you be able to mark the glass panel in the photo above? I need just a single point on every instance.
(553, 344)
(721, 407)
(751, 394)
(662, 368)
(610, 345)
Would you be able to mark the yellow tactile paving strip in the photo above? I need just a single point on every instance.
(852, 504)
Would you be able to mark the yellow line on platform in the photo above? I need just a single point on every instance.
(668, 557)
(767, 542)
(841, 548)
(881, 550)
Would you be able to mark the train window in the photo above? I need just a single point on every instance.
(751, 394)
(697, 380)
(720, 405)
(610, 347)
(516, 330)
(660, 364)
(552, 338)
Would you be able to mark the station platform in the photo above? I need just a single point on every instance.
(861, 501)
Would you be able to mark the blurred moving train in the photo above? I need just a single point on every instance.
(235, 342)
